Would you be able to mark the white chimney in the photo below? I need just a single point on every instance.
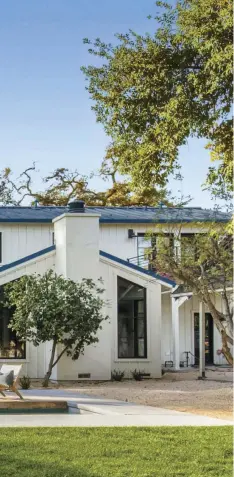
(77, 243)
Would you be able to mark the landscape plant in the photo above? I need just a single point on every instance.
(202, 264)
(151, 92)
(52, 308)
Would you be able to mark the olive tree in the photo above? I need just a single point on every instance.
(52, 308)
(203, 264)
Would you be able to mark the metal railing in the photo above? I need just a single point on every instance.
(144, 261)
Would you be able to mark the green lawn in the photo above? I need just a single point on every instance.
(116, 452)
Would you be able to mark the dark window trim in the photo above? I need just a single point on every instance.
(135, 334)
(0, 247)
(16, 338)
(209, 357)
(154, 243)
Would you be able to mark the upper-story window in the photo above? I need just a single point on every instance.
(188, 246)
(143, 248)
(147, 247)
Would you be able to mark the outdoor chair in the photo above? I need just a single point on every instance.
(9, 376)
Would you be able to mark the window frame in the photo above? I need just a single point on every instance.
(154, 239)
(0, 247)
(136, 356)
(154, 245)
(17, 342)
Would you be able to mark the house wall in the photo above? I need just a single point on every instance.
(151, 364)
(186, 317)
(20, 240)
(35, 363)
(96, 360)
(114, 237)
(100, 359)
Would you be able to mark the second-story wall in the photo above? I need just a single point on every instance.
(114, 237)
(22, 239)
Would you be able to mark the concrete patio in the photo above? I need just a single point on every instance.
(95, 412)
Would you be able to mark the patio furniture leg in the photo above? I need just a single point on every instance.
(16, 391)
(1, 392)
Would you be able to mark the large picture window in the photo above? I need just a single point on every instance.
(10, 346)
(132, 341)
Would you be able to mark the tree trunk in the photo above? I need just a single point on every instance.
(225, 348)
(221, 328)
(50, 367)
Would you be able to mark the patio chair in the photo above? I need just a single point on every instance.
(12, 386)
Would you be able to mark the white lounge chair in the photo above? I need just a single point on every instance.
(5, 369)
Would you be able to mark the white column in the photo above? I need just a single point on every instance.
(176, 333)
(202, 332)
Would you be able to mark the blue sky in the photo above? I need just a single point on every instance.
(45, 113)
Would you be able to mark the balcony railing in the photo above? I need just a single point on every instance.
(143, 261)
(146, 261)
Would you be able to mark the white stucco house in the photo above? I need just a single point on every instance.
(149, 324)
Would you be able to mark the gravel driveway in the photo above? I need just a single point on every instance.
(180, 391)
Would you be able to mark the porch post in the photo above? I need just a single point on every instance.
(176, 333)
(202, 333)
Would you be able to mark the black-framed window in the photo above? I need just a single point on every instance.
(0, 247)
(188, 246)
(147, 247)
(132, 338)
(10, 345)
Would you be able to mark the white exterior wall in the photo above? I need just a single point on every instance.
(20, 240)
(80, 258)
(102, 358)
(114, 237)
(96, 360)
(151, 364)
(77, 257)
(186, 323)
(34, 365)
(75, 260)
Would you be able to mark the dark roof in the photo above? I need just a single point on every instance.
(117, 214)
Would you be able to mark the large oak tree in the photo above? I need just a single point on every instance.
(63, 185)
(153, 92)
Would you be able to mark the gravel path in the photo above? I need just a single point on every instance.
(179, 391)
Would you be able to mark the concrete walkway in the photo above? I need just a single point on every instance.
(95, 411)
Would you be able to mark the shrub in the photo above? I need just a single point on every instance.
(25, 382)
(117, 375)
(137, 374)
